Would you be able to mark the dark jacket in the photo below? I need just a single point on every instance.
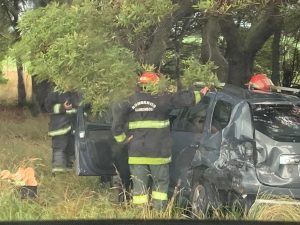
(61, 120)
(146, 117)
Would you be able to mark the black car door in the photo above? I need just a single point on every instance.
(93, 143)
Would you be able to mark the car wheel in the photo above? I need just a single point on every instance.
(203, 199)
(199, 201)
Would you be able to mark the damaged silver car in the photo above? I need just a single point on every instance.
(240, 144)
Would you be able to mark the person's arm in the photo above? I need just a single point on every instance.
(187, 98)
(53, 106)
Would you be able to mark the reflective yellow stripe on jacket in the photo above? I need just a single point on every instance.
(71, 111)
(60, 131)
(148, 160)
(56, 108)
(148, 124)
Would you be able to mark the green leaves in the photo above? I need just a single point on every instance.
(226, 7)
(74, 45)
(138, 16)
(196, 72)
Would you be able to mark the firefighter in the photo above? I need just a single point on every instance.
(260, 82)
(62, 107)
(142, 122)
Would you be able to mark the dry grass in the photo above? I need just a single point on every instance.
(24, 141)
(276, 211)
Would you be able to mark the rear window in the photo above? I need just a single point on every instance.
(280, 122)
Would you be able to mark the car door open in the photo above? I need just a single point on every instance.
(93, 141)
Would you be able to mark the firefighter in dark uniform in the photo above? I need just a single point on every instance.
(143, 121)
(62, 107)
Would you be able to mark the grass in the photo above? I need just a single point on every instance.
(24, 141)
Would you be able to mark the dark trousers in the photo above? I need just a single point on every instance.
(63, 150)
(141, 174)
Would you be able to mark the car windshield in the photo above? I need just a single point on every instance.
(280, 122)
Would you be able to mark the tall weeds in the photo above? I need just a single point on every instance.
(24, 142)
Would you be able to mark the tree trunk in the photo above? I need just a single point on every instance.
(242, 48)
(210, 50)
(39, 94)
(21, 84)
(240, 66)
(276, 49)
(158, 44)
(276, 56)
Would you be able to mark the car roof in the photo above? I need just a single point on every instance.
(256, 97)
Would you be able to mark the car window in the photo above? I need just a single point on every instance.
(192, 119)
(221, 116)
(279, 122)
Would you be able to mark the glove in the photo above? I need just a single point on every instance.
(204, 91)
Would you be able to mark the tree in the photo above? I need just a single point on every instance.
(99, 46)
(5, 37)
(67, 46)
(245, 26)
(12, 11)
(290, 47)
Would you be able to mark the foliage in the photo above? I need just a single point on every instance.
(164, 85)
(197, 72)
(82, 45)
(67, 45)
(138, 16)
(263, 60)
(226, 7)
(5, 39)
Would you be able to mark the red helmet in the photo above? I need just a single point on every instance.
(148, 77)
(261, 82)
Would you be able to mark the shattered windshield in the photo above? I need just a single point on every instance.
(280, 122)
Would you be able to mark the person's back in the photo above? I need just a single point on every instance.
(144, 117)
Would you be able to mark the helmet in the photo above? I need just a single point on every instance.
(261, 82)
(148, 78)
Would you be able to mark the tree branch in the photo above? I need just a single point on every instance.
(261, 31)
(158, 45)
(230, 32)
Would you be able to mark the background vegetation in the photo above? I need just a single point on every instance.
(99, 46)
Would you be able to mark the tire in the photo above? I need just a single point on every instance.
(204, 199)
(199, 200)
